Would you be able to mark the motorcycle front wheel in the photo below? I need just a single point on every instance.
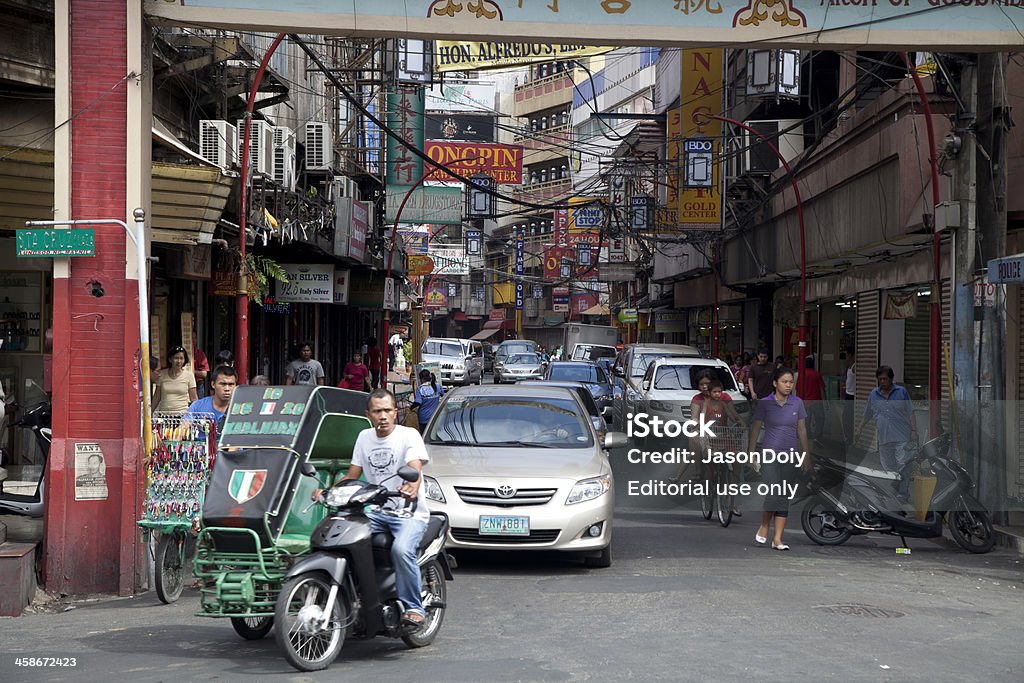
(309, 644)
(822, 525)
(972, 530)
(435, 596)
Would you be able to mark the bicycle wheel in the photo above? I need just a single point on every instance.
(723, 502)
(170, 567)
(707, 501)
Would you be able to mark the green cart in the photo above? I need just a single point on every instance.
(257, 518)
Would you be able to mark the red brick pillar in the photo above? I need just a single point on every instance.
(93, 545)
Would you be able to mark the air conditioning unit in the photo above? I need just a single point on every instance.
(758, 158)
(284, 157)
(345, 187)
(319, 146)
(217, 141)
(261, 146)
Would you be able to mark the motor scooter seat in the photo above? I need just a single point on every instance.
(866, 471)
(384, 540)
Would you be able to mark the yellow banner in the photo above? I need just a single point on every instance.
(701, 95)
(473, 56)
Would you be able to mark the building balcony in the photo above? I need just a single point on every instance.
(544, 192)
(544, 93)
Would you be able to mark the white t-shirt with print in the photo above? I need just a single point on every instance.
(380, 459)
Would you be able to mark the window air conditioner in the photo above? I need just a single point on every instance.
(284, 157)
(217, 140)
(319, 146)
(261, 146)
(758, 158)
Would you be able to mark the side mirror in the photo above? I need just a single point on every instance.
(615, 440)
(618, 371)
(5, 457)
(646, 385)
(307, 469)
(409, 474)
(607, 412)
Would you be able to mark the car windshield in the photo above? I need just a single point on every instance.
(524, 359)
(673, 377)
(515, 422)
(433, 348)
(642, 360)
(570, 372)
(510, 349)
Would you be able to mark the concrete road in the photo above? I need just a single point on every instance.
(685, 600)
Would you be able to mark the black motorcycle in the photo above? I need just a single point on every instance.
(844, 501)
(36, 420)
(347, 586)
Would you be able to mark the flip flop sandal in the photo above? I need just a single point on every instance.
(413, 619)
(781, 546)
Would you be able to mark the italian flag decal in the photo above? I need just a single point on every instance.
(246, 484)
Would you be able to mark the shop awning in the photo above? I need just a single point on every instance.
(599, 309)
(500, 324)
(26, 186)
(485, 334)
(460, 316)
(187, 202)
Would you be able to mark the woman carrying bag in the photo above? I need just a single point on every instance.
(428, 396)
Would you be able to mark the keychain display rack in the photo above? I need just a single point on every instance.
(178, 470)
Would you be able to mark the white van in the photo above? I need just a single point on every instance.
(461, 360)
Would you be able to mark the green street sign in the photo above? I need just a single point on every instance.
(54, 242)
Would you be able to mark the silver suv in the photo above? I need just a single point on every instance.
(461, 360)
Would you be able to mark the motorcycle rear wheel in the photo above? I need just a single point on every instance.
(309, 648)
(170, 567)
(819, 522)
(972, 530)
(252, 628)
(435, 600)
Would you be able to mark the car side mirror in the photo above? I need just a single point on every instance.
(615, 440)
(307, 469)
(618, 371)
(5, 457)
(646, 385)
(607, 412)
(409, 474)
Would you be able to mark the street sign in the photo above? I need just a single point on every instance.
(55, 242)
(390, 298)
(1006, 270)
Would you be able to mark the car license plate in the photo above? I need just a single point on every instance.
(497, 525)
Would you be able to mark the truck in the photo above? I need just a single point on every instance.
(589, 342)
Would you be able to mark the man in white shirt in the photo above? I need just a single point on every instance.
(849, 394)
(395, 345)
(378, 454)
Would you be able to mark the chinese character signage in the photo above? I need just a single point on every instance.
(700, 204)
(405, 117)
(520, 266)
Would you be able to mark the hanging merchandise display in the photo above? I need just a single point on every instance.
(177, 474)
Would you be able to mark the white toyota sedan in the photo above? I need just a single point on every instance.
(521, 468)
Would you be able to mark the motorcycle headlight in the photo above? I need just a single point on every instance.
(589, 489)
(341, 495)
(432, 490)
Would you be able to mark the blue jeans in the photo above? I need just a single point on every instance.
(896, 457)
(408, 533)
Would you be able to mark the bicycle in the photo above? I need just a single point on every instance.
(713, 503)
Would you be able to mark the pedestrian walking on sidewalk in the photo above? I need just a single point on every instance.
(374, 361)
(759, 380)
(785, 428)
(356, 375)
(305, 370)
(890, 407)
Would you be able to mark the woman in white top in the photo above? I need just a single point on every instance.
(176, 386)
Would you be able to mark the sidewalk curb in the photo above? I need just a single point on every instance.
(1010, 538)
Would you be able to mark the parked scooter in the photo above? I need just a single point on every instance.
(347, 585)
(36, 419)
(846, 500)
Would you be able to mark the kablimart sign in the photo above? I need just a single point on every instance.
(949, 25)
(307, 283)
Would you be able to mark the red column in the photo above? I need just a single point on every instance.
(91, 545)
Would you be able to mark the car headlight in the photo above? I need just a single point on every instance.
(661, 406)
(589, 489)
(460, 366)
(432, 490)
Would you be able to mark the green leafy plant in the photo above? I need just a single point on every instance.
(262, 271)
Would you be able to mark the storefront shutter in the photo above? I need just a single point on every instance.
(868, 332)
